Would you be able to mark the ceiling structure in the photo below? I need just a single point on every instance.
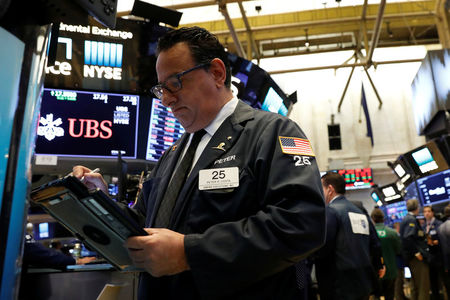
(328, 29)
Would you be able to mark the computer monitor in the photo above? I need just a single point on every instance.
(274, 102)
(87, 124)
(427, 159)
(164, 130)
(396, 211)
(391, 193)
(376, 198)
(434, 188)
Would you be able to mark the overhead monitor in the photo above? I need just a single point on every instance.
(427, 159)
(256, 87)
(164, 130)
(391, 193)
(274, 102)
(87, 124)
(357, 178)
(431, 90)
(376, 198)
(424, 160)
(435, 188)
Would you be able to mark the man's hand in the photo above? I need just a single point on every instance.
(91, 180)
(159, 253)
(382, 272)
(419, 256)
(85, 260)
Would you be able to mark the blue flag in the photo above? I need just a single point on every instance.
(366, 113)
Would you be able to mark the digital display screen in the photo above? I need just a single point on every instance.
(377, 199)
(399, 170)
(43, 230)
(87, 124)
(390, 192)
(424, 160)
(396, 211)
(274, 103)
(357, 178)
(435, 188)
(163, 131)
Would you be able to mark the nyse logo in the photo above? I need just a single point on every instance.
(103, 60)
(90, 129)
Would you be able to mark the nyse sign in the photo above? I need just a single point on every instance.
(102, 60)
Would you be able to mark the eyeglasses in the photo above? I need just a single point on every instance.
(173, 83)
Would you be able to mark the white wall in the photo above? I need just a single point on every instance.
(319, 93)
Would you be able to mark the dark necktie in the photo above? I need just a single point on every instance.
(177, 182)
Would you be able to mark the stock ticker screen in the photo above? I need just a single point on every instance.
(87, 124)
(357, 178)
(164, 130)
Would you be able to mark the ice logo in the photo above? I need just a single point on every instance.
(49, 128)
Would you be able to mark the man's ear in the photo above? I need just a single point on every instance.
(330, 187)
(219, 71)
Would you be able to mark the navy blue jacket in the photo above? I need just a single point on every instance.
(243, 242)
(344, 265)
(413, 238)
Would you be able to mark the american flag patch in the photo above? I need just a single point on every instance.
(292, 145)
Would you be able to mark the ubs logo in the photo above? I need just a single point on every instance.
(103, 60)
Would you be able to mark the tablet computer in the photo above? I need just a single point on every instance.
(93, 217)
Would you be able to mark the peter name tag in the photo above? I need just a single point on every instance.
(211, 179)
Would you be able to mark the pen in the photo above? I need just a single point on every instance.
(96, 170)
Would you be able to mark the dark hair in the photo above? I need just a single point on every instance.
(430, 207)
(204, 46)
(335, 180)
(412, 204)
(377, 215)
(447, 211)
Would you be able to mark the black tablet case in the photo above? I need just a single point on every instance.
(91, 216)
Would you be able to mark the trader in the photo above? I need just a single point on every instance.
(436, 262)
(415, 251)
(391, 247)
(252, 204)
(344, 266)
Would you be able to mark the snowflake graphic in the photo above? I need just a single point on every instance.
(49, 128)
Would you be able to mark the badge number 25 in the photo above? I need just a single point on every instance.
(301, 161)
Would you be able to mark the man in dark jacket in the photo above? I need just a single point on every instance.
(251, 206)
(344, 266)
(415, 251)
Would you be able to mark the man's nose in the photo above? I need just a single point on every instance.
(167, 98)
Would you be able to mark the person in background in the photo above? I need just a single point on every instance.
(415, 251)
(399, 293)
(436, 261)
(37, 255)
(236, 202)
(444, 238)
(344, 267)
(391, 247)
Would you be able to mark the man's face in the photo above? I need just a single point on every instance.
(194, 105)
(428, 213)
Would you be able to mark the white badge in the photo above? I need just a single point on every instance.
(222, 178)
(359, 223)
